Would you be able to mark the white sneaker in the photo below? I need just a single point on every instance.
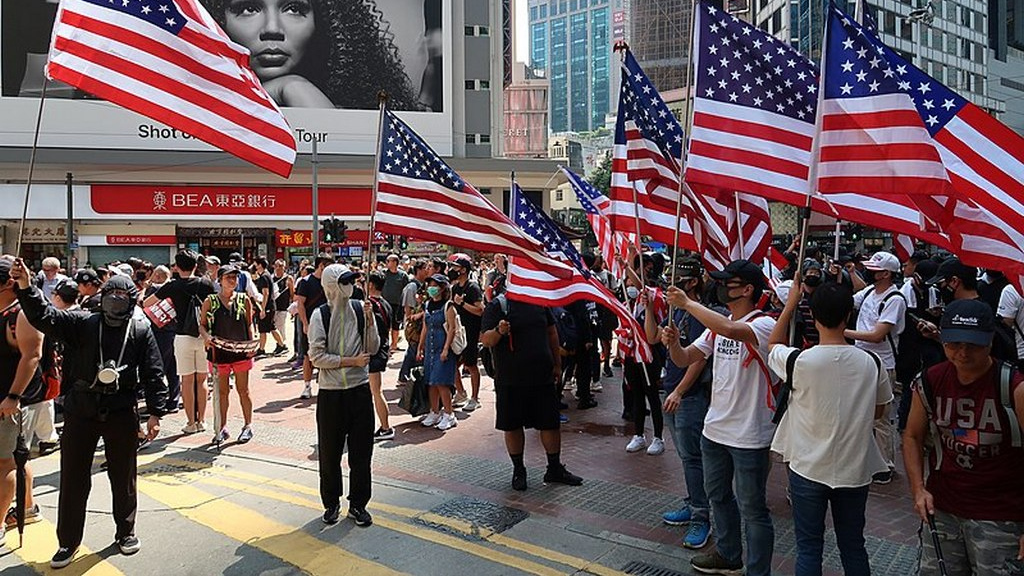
(190, 429)
(637, 444)
(447, 422)
(656, 448)
(597, 387)
(307, 392)
(200, 426)
(431, 419)
(471, 405)
(459, 399)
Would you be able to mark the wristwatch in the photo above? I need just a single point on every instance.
(14, 396)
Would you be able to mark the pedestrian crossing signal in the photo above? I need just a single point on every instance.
(403, 243)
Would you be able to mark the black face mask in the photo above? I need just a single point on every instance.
(947, 294)
(812, 281)
(117, 309)
(722, 292)
(453, 275)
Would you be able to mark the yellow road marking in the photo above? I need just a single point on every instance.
(410, 513)
(290, 544)
(41, 543)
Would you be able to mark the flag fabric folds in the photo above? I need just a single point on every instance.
(171, 62)
(611, 243)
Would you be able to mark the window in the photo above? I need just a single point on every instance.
(470, 138)
(776, 21)
(543, 10)
(533, 13)
(559, 196)
(483, 31)
(470, 31)
(907, 29)
(573, 5)
(889, 24)
(470, 84)
(485, 84)
(485, 138)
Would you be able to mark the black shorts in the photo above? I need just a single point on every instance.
(266, 323)
(471, 354)
(526, 407)
(303, 341)
(397, 316)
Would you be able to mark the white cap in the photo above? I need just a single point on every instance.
(883, 261)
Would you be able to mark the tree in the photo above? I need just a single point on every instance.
(602, 176)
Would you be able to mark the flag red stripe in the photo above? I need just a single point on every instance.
(992, 129)
(148, 108)
(894, 118)
(990, 172)
(733, 183)
(780, 165)
(916, 151)
(751, 129)
(883, 185)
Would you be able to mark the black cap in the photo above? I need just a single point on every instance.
(744, 270)
(463, 262)
(226, 269)
(348, 277)
(919, 256)
(67, 289)
(234, 257)
(688, 268)
(952, 266)
(969, 321)
(87, 276)
(439, 279)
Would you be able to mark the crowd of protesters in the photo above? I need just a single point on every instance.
(928, 348)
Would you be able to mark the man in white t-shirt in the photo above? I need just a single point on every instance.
(1011, 311)
(881, 319)
(838, 391)
(738, 427)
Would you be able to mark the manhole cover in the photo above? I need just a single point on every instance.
(644, 569)
(182, 471)
(482, 514)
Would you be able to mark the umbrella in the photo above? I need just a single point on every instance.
(938, 547)
(20, 460)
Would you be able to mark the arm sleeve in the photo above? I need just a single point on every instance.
(318, 354)
(1009, 303)
(59, 324)
(777, 360)
(151, 371)
(893, 311)
(705, 344)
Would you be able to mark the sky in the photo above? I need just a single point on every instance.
(522, 32)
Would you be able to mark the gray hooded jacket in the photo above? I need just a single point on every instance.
(327, 345)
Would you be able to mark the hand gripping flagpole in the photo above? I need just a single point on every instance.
(382, 100)
(31, 169)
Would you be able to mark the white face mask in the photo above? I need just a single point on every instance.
(345, 290)
(632, 292)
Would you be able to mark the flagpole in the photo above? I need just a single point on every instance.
(31, 168)
(686, 126)
(314, 163)
(739, 226)
(835, 248)
(382, 101)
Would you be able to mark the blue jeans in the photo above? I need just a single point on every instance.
(687, 426)
(748, 469)
(810, 501)
(409, 362)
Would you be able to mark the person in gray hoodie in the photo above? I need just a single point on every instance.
(344, 406)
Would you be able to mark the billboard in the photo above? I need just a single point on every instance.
(322, 61)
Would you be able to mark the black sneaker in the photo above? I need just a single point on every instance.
(129, 544)
(586, 403)
(559, 475)
(48, 448)
(360, 515)
(713, 563)
(280, 349)
(260, 354)
(331, 514)
(62, 558)
(617, 363)
(882, 477)
(519, 479)
(608, 372)
(383, 434)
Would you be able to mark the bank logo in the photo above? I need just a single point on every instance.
(159, 200)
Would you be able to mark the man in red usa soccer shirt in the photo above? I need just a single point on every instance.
(974, 406)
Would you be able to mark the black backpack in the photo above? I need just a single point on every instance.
(568, 332)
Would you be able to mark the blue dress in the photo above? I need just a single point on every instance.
(437, 373)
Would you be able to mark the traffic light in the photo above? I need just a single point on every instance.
(389, 242)
(856, 232)
(330, 231)
(340, 230)
(403, 243)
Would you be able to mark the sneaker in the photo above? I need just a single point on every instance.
(383, 434)
(608, 372)
(31, 517)
(292, 359)
(431, 419)
(190, 429)
(331, 515)
(597, 387)
(617, 363)
(129, 544)
(48, 448)
(519, 479)
(473, 404)
(245, 435)
(677, 517)
(259, 354)
(460, 399)
(586, 404)
(280, 349)
(562, 418)
(221, 436)
(307, 391)
(637, 444)
(713, 563)
(297, 365)
(143, 443)
(447, 422)
(62, 558)
(697, 536)
(882, 477)
(360, 515)
(201, 426)
(559, 475)
(656, 448)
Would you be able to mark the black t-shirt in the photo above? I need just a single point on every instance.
(180, 292)
(265, 281)
(313, 291)
(472, 294)
(528, 361)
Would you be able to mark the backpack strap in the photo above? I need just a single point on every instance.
(1006, 372)
(784, 391)
(881, 307)
(927, 397)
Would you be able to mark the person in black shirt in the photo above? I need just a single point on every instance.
(524, 342)
(468, 299)
(88, 289)
(265, 320)
(114, 354)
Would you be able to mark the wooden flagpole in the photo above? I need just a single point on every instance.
(31, 169)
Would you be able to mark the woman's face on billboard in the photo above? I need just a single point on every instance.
(276, 32)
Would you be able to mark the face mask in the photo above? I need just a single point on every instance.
(453, 275)
(116, 309)
(723, 294)
(433, 291)
(947, 294)
(812, 281)
(345, 290)
(632, 292)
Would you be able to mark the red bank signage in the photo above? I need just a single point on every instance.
(302, 238)
(227, 200)
(136, 239)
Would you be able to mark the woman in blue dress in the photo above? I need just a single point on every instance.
(439, 325)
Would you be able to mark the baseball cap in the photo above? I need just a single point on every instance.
(125, 270)
(234, 257)
(226, 269)
(688, 268)
(744, 270)
(969, 321)
(952, 266)
(213, 260)
(87, 276)
(883, 261)
(439, 279)
(461, 260)
(810, 264)
(67, 289)
(348, 277)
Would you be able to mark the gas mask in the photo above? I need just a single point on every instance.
(117, 309)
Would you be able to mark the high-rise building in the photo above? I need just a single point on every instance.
(571, 41)
(659, 38)
(1006, 59)
(526, 114)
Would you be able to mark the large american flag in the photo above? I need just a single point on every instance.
(168, 60)
(611, 243)
(529, 283)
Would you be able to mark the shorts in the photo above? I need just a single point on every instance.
(303, 348)
(526, 407)
(470, 355)
(397, 316)
(982, 546)
(236, 367)
(9, 429)
(266, 323)
(280, 321)
(190, 354)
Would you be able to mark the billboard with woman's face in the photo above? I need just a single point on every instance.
(323, 62)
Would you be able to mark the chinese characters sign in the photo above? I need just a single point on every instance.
(227, 200)
(304, 238)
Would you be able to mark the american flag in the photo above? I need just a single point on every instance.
(902, 246)
(755, 100)
(420, 196)
(610, 242)
(877, 110)
(168, 60)
(529, 283)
